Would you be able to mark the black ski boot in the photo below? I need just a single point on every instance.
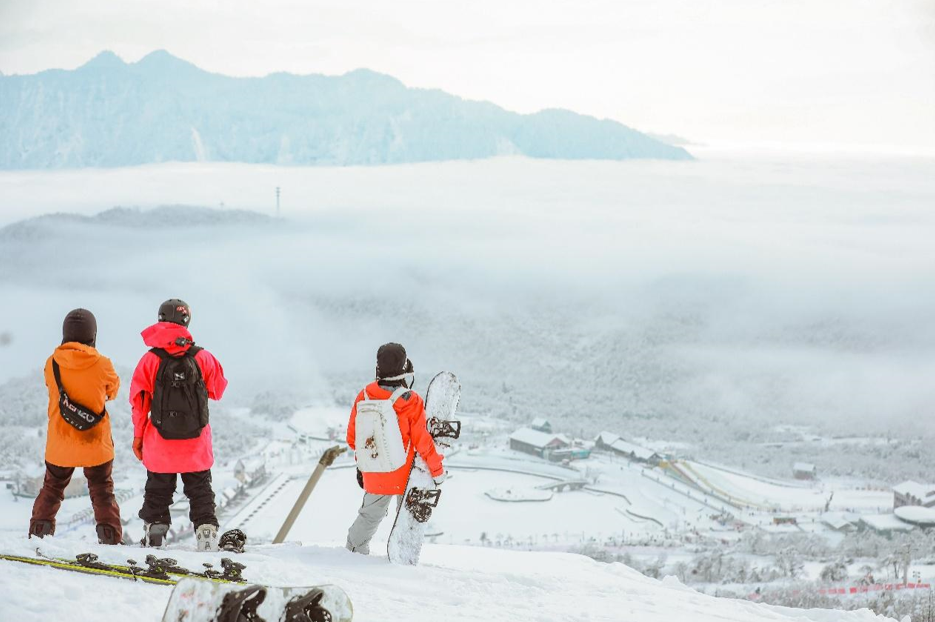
(307, 609)
(41, 528)
(106, 534)
(241, 606)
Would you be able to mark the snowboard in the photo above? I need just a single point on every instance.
(422, 495)
(193, 600)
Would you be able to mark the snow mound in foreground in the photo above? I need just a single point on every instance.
(453, 584)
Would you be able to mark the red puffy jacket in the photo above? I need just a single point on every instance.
(411, 415)
(171, 456)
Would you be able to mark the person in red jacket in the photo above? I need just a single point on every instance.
(394, 370)
(171, 433)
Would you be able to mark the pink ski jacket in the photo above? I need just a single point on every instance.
(171, 456)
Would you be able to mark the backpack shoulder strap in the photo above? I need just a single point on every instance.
(194, 350)
(58, 376)
(366, 397)
(162, 354)
(401, 392)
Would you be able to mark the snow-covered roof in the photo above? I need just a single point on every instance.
(839, 520)
(885, 522)
(629, 448)
(916, 514)
(804, 467)
(539, 422)
(537, 438)
(608, 438)
(915, 489)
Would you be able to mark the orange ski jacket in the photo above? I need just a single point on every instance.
(89, 379)
(410, 412)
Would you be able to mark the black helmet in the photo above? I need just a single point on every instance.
(175, 311)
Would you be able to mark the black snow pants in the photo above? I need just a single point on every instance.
(197, 487)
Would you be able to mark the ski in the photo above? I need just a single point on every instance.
(200, 601)
(422, 495)
(100, 570)
(158, 569)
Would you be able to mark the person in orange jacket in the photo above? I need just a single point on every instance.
(79, 381)
(394, 370)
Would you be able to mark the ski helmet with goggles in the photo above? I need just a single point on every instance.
(175, 311)
(393, 366)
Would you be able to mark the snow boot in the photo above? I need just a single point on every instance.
(41, 528)
(106, 534)
(206, 538)
(154, 535)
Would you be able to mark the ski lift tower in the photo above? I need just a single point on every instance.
(277, 201)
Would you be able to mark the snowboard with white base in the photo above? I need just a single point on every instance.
(195, 600)
(422, 495)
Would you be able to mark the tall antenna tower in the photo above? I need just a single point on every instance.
(277, 201)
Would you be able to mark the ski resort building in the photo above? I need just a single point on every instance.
(804, 470)
(608, 441)
(570, 453)
(914, 493)
(541, 425)
(843, 522)
(605, 440)
(537, 443)
(250, 470)
(884, 524)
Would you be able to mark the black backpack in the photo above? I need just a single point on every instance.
(180, 398)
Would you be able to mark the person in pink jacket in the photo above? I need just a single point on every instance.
(171, 435)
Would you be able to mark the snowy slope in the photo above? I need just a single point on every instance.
(465, 583)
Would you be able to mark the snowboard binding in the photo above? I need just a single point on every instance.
(241, 606)
(233, 571)
(88, 560)
(420, 503)
(440, 428)
(158, 567)
(307, 609)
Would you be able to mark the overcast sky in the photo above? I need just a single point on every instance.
(830, 72)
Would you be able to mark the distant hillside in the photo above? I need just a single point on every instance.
(110, 113)
(167, 216)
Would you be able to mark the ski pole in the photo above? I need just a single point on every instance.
(327, 459)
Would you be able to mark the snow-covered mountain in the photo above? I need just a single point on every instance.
(110, 113)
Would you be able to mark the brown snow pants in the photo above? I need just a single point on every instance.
(100, 485)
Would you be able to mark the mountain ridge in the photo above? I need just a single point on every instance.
(109, 113)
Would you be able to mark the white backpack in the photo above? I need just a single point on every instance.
(378, 439)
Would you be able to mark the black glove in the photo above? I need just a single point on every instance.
(360, 479)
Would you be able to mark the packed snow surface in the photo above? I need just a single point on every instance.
(452, 583)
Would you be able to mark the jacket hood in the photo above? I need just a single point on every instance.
(74, 355)
(164, 335)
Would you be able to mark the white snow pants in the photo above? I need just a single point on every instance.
(371, 514)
